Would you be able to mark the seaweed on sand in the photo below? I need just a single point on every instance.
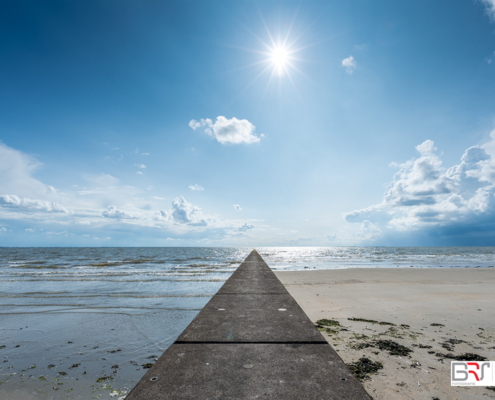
(394, 348)
(326, 325)
(371, 321)
(360, 346)
(449, 344)
(328, 322)
(462, 357)
(362, 368)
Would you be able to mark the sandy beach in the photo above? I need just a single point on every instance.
(449, 309)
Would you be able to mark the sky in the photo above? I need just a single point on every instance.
(242, 123)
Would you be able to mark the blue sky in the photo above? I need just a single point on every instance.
(227, 123)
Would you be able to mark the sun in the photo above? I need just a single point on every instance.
(279, 58)
(279, 55)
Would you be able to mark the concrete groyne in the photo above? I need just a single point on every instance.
(252, 340)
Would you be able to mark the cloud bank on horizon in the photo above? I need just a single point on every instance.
(83, 208)
(428, 199)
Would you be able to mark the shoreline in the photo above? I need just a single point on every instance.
(407, 301)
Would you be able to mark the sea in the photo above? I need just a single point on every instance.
(100, 308)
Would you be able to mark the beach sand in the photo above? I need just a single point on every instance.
(461, 300)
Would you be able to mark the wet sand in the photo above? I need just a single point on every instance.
(459, 302)
(81, 355)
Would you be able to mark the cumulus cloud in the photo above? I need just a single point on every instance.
(114, 212)
(490, 8)
(196, 187)
(13, 201)
(426, 196)
(140, 165)
(349, 64)
(237, 207)
(184, 212)
(228, 131)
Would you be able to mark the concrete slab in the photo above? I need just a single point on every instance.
(252, 318)
(249, 371)
(251, 341)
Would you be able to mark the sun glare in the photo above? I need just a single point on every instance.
(279, 58)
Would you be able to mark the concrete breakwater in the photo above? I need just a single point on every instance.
(252, 340)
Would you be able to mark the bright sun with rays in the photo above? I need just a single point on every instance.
(280, 58)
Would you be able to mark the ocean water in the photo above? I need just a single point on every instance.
(141, 280)
(107, 307)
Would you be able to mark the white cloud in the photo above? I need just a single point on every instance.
(349, 63)
(195, 124)
(196, 187)
(3, 230)
(368, 231)
(114, 212)
(184, 212)
(228, 131)
(140, 165)
(241, 229)
(16, 169)
(237, 207)
(490, 8)
(424, 195)
(29, 230)
(139, 173)
(13, 201)
(101, 179)
(157, 198)
(145, 154)
(245, 227)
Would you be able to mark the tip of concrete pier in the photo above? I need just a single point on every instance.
(252, 340)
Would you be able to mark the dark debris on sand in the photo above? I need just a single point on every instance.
(394, 348)
(372, 321)
(462, 357)
(362, 368)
